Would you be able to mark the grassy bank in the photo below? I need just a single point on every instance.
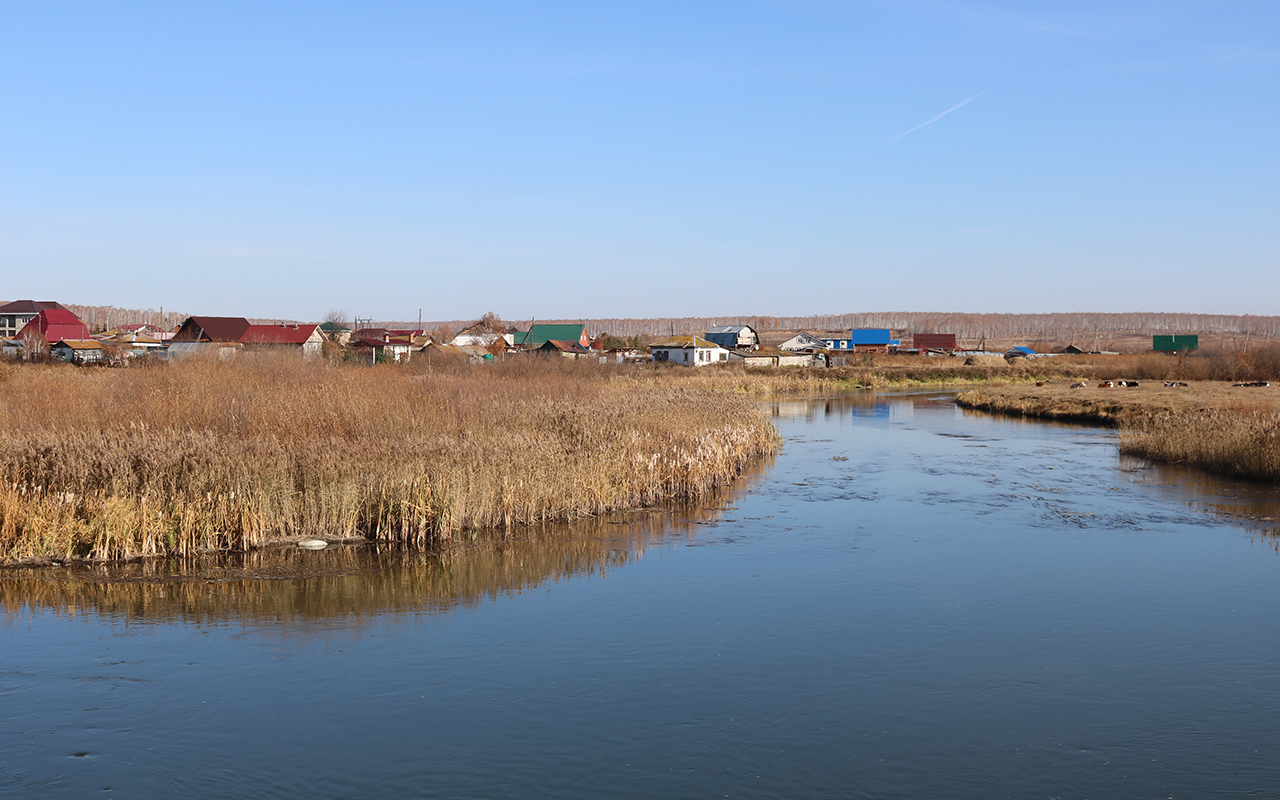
(1216, 426)
(206, 455)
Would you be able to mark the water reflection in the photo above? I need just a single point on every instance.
(358, 581)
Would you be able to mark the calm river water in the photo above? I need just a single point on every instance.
(909, 601)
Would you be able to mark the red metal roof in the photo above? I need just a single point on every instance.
(278, 334)
(55, 324)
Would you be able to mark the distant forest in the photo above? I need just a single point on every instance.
(1046, 327)
(1065, 327)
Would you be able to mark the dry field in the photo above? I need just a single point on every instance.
(1231, 430)
(201, 455)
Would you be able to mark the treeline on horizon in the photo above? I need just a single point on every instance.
(1057, 326)
(1064, 327)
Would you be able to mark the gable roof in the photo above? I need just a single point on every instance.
(731, 329)
(279, 334)
(563, 346)
(682, 342)
(212, 329)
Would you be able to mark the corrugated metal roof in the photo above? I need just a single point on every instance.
(278, 334)
(539, 334)
(731, 329)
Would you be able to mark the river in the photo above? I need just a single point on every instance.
(910, 600)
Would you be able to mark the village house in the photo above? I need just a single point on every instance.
(14, 316)
(803, 341)
(733, 337)
(306, 338)
(553, 347)
(475, 336)
(212, 329)
(54, 324)
(388, 349)
(541, 333)
(131, 343)
(79, 351)
(692, 351)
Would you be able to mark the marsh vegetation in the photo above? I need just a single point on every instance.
(205, 455)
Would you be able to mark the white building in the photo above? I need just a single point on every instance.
(688, 350)
(734, 337)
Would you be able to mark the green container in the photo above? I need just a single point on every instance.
(1175, 343)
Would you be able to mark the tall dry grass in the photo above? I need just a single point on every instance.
(1242, 440)
(207, 455)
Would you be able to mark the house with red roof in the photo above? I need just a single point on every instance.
(238, 330)
(14, 316)
(307, 338)
(55, 325)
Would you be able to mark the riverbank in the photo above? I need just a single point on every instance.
(1214, 426)
(198, 456)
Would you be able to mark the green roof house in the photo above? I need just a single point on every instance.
(540, 334)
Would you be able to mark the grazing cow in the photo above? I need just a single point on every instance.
(1176, 383)
(1105, 385)
(1079, 385)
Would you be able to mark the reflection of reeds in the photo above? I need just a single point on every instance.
(1241, 440)
(282, 584)
(208, 455)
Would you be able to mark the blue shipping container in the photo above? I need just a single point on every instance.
(871, 336)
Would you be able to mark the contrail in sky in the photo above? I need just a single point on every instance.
(935, 119)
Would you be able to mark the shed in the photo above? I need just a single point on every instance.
(1019, 352)
(733, 337)
(934, 341)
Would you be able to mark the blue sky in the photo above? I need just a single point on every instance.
(586, 159)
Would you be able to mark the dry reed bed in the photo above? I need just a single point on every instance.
(1216, 427)
(204, 455)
